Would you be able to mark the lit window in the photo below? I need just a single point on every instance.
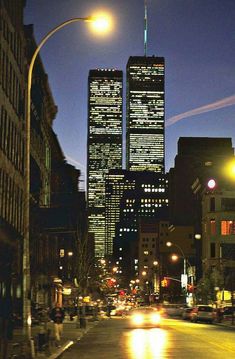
(61, 253)
(227, 228)
(146, 253)
(213, 227)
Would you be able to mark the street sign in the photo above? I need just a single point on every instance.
(184, 280)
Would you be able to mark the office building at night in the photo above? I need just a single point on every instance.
(104, 144)
(130, 196)
(145, 101)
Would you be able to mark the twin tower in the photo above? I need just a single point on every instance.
(140, 139)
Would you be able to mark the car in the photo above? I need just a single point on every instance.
(228, 313)
(145, 317)
(187, 313)
(173, 310)
(203, 313)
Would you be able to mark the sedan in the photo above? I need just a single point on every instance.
(203, 313)
(145, 317)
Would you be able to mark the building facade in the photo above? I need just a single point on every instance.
(145, 102)
(146, 197)
(218, 236)
(104, 144)
(12, 89)
(196, 157)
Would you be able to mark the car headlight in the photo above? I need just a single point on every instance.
(155, 318)
(137, 319)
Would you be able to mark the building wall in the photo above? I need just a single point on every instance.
(197, 157)
(145, 196)
(145, 102)
(12, 89)
(104, 144)
(218, 227)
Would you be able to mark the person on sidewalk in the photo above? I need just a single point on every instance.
(57, 315)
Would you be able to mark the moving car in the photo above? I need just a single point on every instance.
(145, 316)
(203, 313)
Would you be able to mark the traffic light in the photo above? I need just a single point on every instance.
(164, 282)
(190, 288)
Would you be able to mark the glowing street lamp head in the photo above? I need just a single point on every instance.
(101, 23)
(168, 244)
(211, 183)
(174, 257)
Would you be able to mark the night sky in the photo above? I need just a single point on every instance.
(196, 37)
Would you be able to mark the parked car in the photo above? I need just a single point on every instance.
(173, 310)
(203, 313)
(228, 313)
(187, 313)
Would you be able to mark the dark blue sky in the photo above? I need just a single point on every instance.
(196, 37)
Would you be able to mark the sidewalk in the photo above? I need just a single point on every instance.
(226, 323)
(71, 333)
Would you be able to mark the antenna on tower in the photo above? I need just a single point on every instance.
(145, 27)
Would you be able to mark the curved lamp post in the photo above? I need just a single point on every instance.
(26, 252)
(170, 244)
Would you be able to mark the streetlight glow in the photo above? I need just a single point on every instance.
(101, 23)
(211, 183)
(174, 257)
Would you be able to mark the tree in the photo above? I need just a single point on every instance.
(211, 279)
(230, 285)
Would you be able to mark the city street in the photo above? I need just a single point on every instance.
(175, 339)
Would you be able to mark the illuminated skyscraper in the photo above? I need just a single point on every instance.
(104, 144)
(145, 114)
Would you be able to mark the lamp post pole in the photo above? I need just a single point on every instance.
(26, 241)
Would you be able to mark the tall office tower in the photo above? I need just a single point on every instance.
(104, 144)
(117, 183)
(145, 114)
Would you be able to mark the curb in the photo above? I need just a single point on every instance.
(69, 343)
(61, 350)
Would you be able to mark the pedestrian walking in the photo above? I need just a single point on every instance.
(57, 315)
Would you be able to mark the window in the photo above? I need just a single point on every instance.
(227, 228)
(212, 250)
(228, 204)
(212, 227)
(212, 204)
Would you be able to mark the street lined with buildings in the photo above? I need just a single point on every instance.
(138, 235)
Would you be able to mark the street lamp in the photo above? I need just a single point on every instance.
(155, 279)
(26, 252)
(170, 244)
(184, 282)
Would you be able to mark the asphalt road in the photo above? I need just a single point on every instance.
(115, 339)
